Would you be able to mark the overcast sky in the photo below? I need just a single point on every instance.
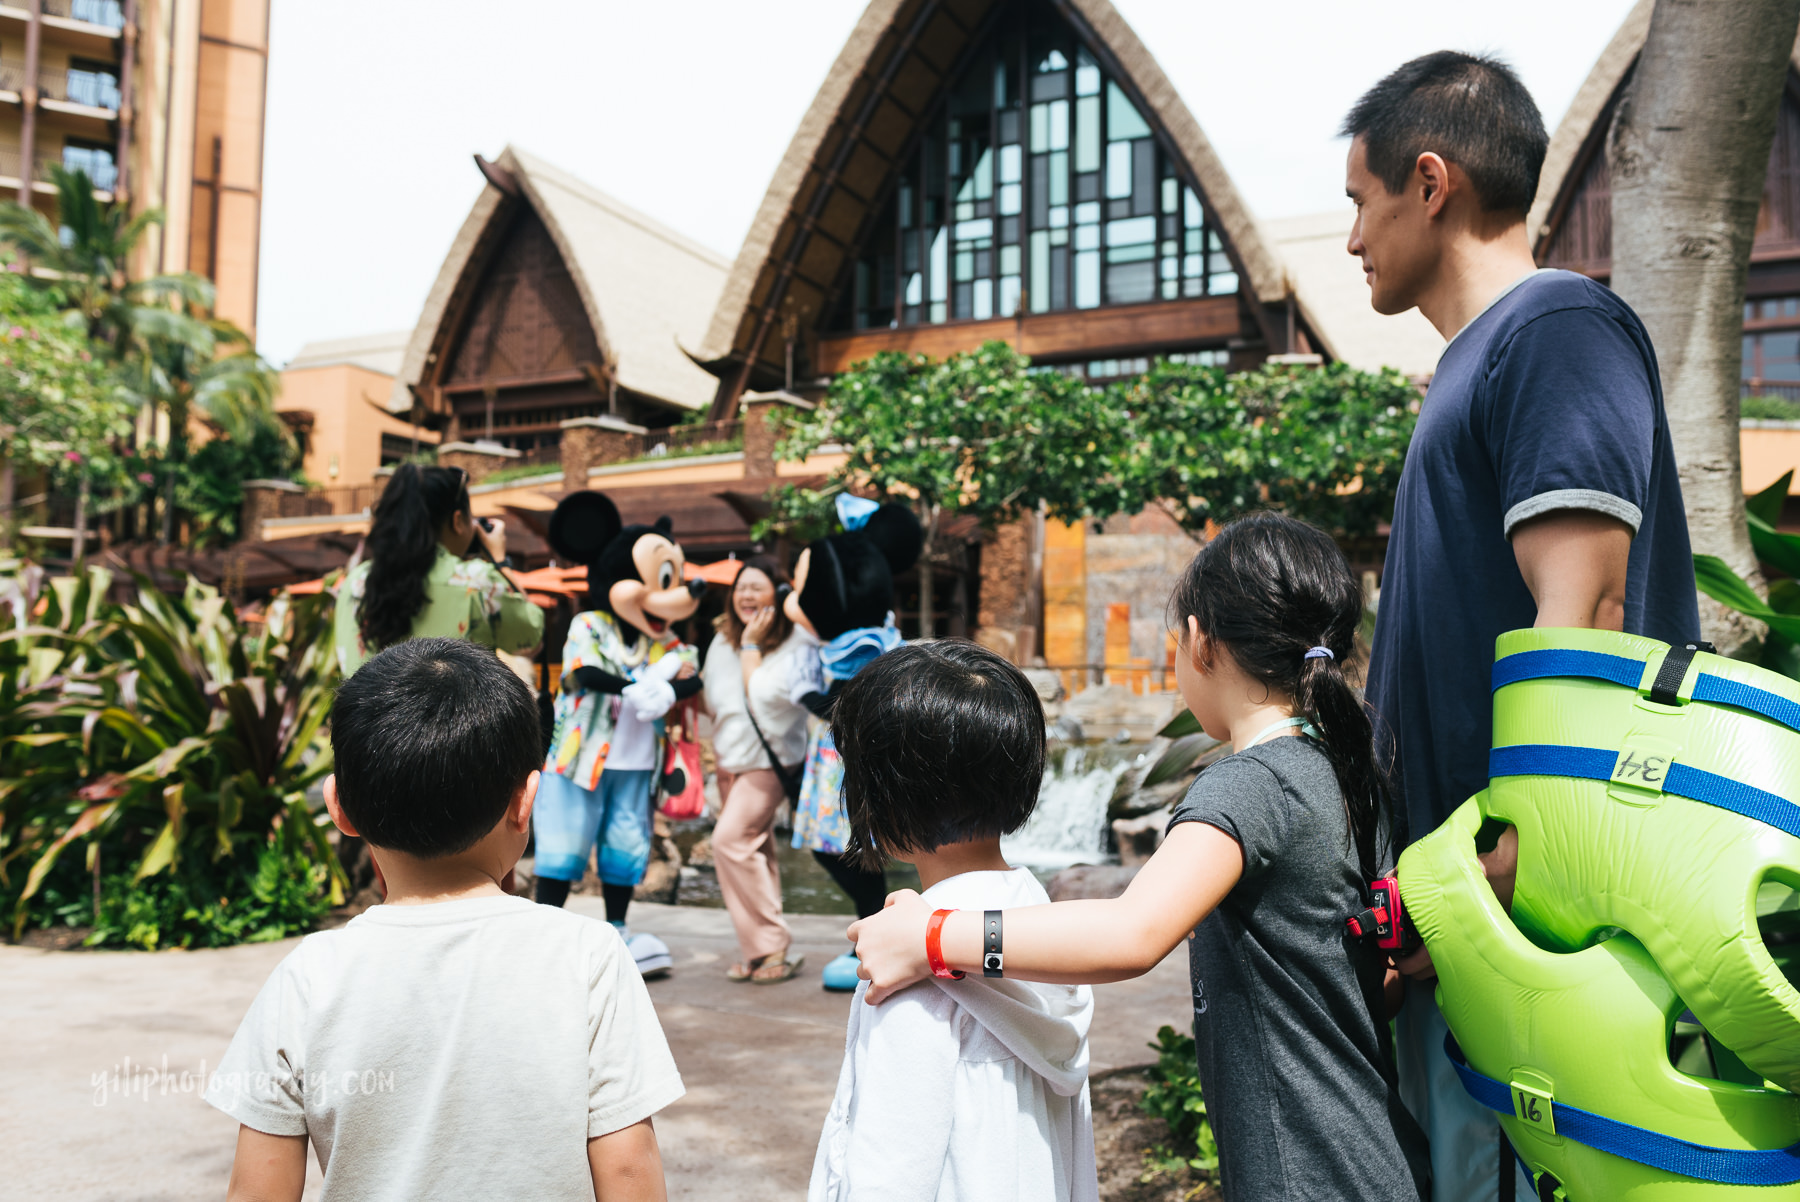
(683, 107)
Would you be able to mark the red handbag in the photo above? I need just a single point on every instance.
(683, 789)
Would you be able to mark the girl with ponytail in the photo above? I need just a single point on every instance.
(415, 581)
(1267, 855)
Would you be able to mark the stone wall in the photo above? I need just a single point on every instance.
(265, 499)
(1012, 595)
(761, 431)
(479, 459)
(1139, 570)
(590, 442)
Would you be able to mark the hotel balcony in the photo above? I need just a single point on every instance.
(74, 91)
(106, 13)
(98, 165)
(102, 18)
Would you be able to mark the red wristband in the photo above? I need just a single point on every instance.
(934, 950)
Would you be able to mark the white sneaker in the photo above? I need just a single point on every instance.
(652, 954)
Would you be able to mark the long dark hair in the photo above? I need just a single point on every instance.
(728, 623)
(1269, 588)
(402, 546)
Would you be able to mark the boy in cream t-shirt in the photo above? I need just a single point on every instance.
(455, 1041)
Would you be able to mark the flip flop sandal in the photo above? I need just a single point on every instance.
(742, 970)
(787, 970)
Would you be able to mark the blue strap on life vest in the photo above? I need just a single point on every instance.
(1623, 670)
(1681, 780)
(1727, 1166)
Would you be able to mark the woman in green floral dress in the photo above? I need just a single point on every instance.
(415, 582)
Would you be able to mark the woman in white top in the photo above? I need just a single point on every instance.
(750, 668)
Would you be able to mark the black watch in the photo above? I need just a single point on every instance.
(992, 961)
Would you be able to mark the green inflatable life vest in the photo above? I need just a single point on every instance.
(1655, 792)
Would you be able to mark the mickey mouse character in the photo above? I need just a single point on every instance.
(623, 669)
(843, 596)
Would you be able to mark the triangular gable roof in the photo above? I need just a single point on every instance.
(888, 27)
(1579, 126)
(1590, 104)
(647, 290)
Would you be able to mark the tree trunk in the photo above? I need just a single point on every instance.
(1689, 150)
(9, 491)
(927, 602)
(81, 507)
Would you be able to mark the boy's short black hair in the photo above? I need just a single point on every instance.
(432, 737)
(1470, 109)
(942, 743)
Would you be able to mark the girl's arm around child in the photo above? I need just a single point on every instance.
(1074, 942)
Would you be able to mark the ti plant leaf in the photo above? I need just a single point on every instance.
(1180, 726)
(1728, 588)
(1180, 755)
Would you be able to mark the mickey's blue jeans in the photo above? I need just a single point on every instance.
(569, 820)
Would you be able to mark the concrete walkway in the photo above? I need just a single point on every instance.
(101, 1054)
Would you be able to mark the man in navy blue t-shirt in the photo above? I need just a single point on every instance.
(1540, 488)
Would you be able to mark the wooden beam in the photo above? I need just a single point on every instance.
(574, 375)
(765, 320)
(1145, 329)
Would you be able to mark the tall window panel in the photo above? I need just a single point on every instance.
(1037, 186)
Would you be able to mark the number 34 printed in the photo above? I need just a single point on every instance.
(1649, 770)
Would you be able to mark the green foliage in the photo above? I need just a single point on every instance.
(63, 409)
(1769, 408)
(166, 736)
(802, 514)
(209, 484)
(251, 897)
(984, 433)
(518, 471)
(1324, 444)
(978, 433)
(87, 345)
(1780, 651)
(1174, 1097)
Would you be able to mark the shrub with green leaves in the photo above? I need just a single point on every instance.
(159, 753)
(1323, 444)
(1174, 1097)
(984, 433)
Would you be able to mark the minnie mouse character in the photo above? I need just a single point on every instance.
(623, 669)
(843, 596)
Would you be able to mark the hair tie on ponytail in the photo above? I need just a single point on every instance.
(1319, 653)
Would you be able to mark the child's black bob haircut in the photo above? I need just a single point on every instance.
(942, 743)
(432, 737)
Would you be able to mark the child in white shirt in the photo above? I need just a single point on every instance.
(455, 1041)
(955, 1089)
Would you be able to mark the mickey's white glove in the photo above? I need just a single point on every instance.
(808, 677)
(649, 698)
(665, 669)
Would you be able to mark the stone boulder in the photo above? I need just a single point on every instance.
(1106, 711)
(1090, 882)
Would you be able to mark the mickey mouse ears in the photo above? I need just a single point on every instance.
(582, 526)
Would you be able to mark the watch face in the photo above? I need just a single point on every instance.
(991, 962)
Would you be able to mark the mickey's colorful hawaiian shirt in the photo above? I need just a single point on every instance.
(584, 718)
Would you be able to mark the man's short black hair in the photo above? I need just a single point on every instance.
(433, 737)
(1471, 110)
(942, 743)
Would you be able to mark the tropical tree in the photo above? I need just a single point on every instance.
(172, 354)
(986, 434)
(1688, 151)
(87, 252)
(979, 433)
(63, 410)
(1323, 444)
